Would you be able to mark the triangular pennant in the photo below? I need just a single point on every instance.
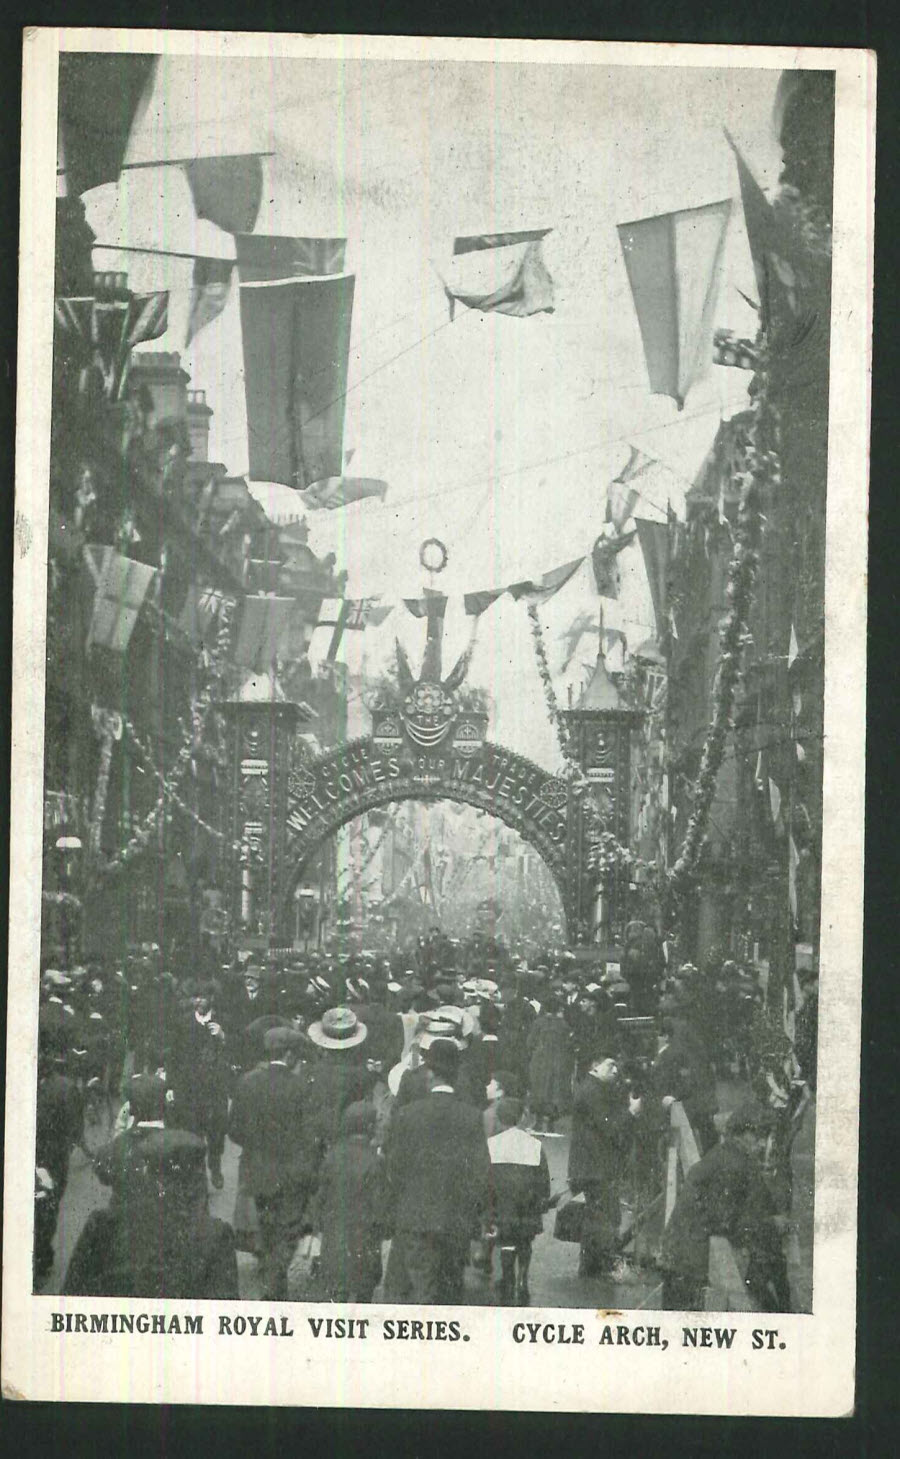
(655, 542)
(210, 288)
(477, 603)
(100, 95)
(674, 265)
(227, 190)
(546, 587)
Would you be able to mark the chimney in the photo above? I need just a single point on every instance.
(198, 419)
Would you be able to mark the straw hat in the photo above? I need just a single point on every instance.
(339, 1028)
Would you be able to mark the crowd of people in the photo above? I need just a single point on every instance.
(373, 1103)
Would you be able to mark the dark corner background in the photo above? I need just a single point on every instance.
(48, 1430)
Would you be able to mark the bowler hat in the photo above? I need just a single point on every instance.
(339, 1028)
(442, 1058)
(147, 1097)
(278, 1041)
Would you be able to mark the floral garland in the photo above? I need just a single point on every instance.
(200, 713)
(758, 465)
(606, 854)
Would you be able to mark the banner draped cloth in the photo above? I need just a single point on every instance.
(296, 346)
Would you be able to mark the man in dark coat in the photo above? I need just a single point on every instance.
(725, 1194)
(199, 1074)
(349, 1210)
(145, 1112)
(602, 1121)
(278, 1162)
(341, 1075)
(60, 1124)
(437, 1177)
(682, 1071)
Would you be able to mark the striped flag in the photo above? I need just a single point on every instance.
(674, 266)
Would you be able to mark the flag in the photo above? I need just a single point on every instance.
(584, 623)
(202, 608)
(265, 258)
(797, 703)
(121, 589)
(541, 590)
(477, 603)
(296, 345)
(793, 650)
(604, 561)
(209, 293)
(100, 96)
(758, 773)
(674, 266)
(654, 540)
(500, 273)
(117, 325)
(614, 644)
(263, 632)
(793, 863)
(366, 612)
(769, 248)
(775, 801)
(622, 495)
(340, 491)
(431, 605)
(227, 190)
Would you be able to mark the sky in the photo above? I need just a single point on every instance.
(497, 435)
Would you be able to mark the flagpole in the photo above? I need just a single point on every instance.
(178, 161)
(161, 252)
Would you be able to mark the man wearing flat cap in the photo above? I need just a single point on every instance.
(725, 1194)
(269, 1121)
(438, 1172)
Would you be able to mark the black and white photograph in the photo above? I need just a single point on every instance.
(431, 756)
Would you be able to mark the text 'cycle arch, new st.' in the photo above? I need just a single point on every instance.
(328, 791)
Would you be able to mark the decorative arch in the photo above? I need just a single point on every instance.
(327, 791)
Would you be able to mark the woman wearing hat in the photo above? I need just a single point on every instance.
(159, 1240)
(550, 1066)
(349, 1209)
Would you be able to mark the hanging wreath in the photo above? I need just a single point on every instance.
(433, 555)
